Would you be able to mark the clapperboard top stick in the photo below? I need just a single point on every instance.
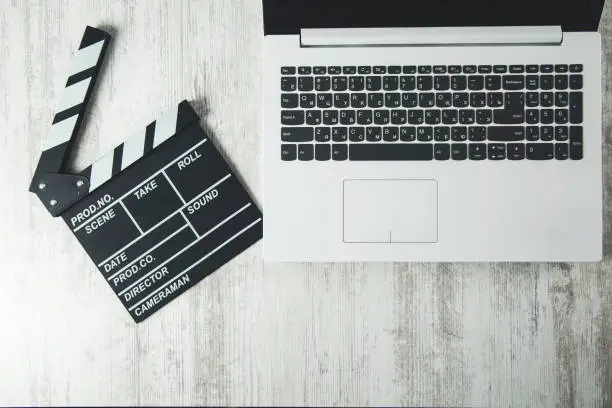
(156, 214)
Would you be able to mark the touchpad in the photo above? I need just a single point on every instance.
(390, 211)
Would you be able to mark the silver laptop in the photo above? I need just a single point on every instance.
(432, 131)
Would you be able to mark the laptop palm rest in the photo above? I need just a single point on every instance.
(390, 211)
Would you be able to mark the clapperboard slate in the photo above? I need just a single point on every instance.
(157, 214)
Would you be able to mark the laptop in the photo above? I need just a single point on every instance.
(432, 130)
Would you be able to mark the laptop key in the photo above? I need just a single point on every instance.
(496, 151)
(500, 69)
(546, 99)
(391, 152)
(347, 117)
(392, 100)
(287, 70)
(459, 151)
(425, 134)
(513, 82)
(427, 100)
(415, 117)
(561, 82)
(467, 116)
(477, 151)
(292, 117)
(575, 105)
(454, 69)
(547, 116)
(381, 117)
(514, 109)
(322, 84)
(424, 83)
(458, 83)
(330, 117)
(439, 69)
(561, 151)
(374, 134)
(304, 70)
(478, 134)
(469, 69)
(322, 134)
(575, 81)
(476, 82)
(561, 116)
(532, 82)
(359, 100)
(515, 151)
(410, 100)
(313, 117)
(444, 100)
(339, 84)
(561, 68)
(334, 70)
(493, 82)
(547, 133)
(561, 99)
(288, 152)
(506, 133)
(342, 100)
(305, 152)
(441, 133)
(373, 83)
(576, 143)
(364, 117)
(459, 133)
(540, 151)
(356, 134)
(575, 68)
(450, 116)
(441, 151)
(485, 69)
(546, 68)
(547, 82)
(319, 70)
(442, 83)
(364, 70)
(532, 69)
(407, 133)
(533, 133)
(517, 69)
(432, 117)
(380, 70)
(339, 152)
(461, 100)
(533, 99)
(356, 83)
(390, 83)
(407, 83)
(296, 134)
(394, 69)
(409, 69)
(561, 133)
(390, 134)
(376, 100)
(424, 69)
(478, 99)
(496, 99)
(289, 101)
(350, 70)
(305, 84)
(288, 84)
(339, 134)
(484, 116)
(324, 100)
(533, 116)
(399, 117)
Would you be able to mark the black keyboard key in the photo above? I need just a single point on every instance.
(561, 116)
(322, 152)
(409, 69)
(547, 82)
(313, 118)
(561, 82)
(493, 82)
(513, 82)
(540, 151)
(322, 134)
(517, 69)
(392, 100)
(547, 133)
(356, 134)
(334, 70)
(450, 116)
(288, 84)
(376, 100)
(439, 69)
(461, 100)
(356, 83)
(495, 99)
(343, 100)
(425, 134)
(459, 133)
(424, 69)
(442, 134)
(347, 117)
(442, 83)
(365, 117)
(288, 152)
(398, 152)
(339, 134)
(500, 69)
(441, 151)
(467, 116)
(547, 99)
(307, 101)
(515, 151)
(533, 69)
(484, 116)
(339, 84)
(477, 151)
(287, 70)
(575, 105)
(575, 82)
(444, 100)
(379, 70)
(561, 68)
(360, 100)
(533, 116)
(476, 82)
(416, 117)
(390, 134)
(407, 133)
(485, 69)
(533, 133)
(322, 84)
(546, 68)
(424, 83)
(305, 84)
(304, 70)
(296, 134)
(433, 117)
(532, 82)
(330, 117)
(506, 133)
(350, 70)
(547, 116)
(561, 99)
(575, 68)
(339, 152)
(374, 134)
(496, 151)
(514, 109)
(407, 83)
(477, 134)
(394, 69)
(576, 143)
(381, 117)
(364, 70)
(427, 100)
(399, 117)
(319, 70)
(410, 100)
(390, 83)
(561, 133)
(324, 100)
(469, 69)
(533, 99)
(289, 101)
(458, 82)
(373, 83)
(292, 117)
(561, 151)
(459, 151)
(478, 99)
(305, 152)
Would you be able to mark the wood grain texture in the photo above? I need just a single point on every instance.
(352, 334)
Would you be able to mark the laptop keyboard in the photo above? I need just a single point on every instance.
(425, 113)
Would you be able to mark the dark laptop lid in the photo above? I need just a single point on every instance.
(289, 16)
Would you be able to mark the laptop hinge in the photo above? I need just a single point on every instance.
(431, 36)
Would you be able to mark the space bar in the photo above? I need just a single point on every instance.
(380, 152)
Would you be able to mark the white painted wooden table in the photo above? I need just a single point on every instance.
(375, 334)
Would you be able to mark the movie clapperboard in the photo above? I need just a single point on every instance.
(157, 214)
